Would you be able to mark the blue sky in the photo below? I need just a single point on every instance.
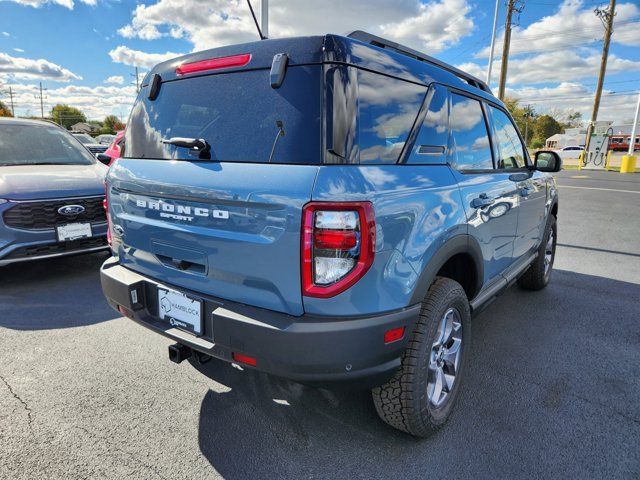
(84, 51)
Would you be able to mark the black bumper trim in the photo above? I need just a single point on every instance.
(308, 349)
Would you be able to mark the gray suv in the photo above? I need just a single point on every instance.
(51, 193)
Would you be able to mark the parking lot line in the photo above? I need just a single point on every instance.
(598, 188)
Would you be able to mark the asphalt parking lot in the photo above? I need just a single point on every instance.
(552, 389)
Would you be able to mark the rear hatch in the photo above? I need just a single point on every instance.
(227, 222)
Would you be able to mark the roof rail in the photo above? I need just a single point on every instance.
(409, 52)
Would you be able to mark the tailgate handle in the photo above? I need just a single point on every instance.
(182, 265)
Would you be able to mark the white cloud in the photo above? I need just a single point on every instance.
(557, 66)
(95, 102)
(6, 34)
(571, 96)
(574, 24)
(19, 50)
(138, 58)
(39, 3)
(115, 80)
(434, 25)
(27, 68)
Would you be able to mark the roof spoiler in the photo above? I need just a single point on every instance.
(409, 52)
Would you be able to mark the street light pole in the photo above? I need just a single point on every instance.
(493, 41)
(634, 129)
(264, 18)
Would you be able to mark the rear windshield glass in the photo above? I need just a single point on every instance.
(38, 145)
(238, 114)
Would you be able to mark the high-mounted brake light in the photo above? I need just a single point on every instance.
(338, 246)
(214, 64)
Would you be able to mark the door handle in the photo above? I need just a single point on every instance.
(482, 201)
(525, 192)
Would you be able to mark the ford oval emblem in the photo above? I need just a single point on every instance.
(71, 210)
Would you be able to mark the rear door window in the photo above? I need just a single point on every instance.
(470, 145)
(432, 139)
(236, 113)
(510, 147)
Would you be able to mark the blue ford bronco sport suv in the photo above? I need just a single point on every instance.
(326, 209)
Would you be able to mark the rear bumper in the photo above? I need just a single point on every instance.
(308, 349)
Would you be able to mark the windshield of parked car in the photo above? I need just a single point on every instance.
(84, 138)
(40, 145)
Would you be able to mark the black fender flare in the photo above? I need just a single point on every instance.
(459, 244)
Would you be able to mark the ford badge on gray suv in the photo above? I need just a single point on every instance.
(51, 193)
(327, 209)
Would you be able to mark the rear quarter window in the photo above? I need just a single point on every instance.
(369, 115)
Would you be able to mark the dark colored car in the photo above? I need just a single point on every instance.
(51, 193)
(328, 209)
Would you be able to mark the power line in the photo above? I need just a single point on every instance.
(581, 97)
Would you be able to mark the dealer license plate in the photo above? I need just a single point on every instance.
(73, 231)
(179, 310)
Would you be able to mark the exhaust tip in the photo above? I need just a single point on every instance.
(179, 352)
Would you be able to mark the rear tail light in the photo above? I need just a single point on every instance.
(214, 64)
(105, 205)
(338, 246)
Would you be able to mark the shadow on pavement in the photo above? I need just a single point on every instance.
(56, 293)
(550, 391)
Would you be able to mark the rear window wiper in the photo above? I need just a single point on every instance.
(197, 145)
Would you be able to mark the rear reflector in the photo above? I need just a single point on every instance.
(125, 311)
(247, 360)
(393, 335)
(214, 64)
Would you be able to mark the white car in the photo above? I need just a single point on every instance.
(570, 152)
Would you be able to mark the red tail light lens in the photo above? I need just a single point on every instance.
(214, 64)
(338, 246)
(246, 359)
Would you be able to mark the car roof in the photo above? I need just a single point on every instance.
(27, 121)
(360, 50)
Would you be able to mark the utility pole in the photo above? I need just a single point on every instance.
(606, 16)
(13, 112)
(42, 101)
(512, 6)
(493, 41)
(634, 129)
(528, 113)
(137, 80)
(264, 18)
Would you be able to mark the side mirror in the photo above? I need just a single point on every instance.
(548, 161)
(104, 158)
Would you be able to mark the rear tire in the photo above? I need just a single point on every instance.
(539, 273)
(422, 393)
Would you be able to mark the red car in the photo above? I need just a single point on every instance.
(116, 148)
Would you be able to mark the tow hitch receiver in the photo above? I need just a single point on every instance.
(179, 352)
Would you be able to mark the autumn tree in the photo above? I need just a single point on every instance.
(4, 110)
(66, 116)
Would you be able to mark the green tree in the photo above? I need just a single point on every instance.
(4, 110)
(525, 117)
(110, 122)
(544, 127)
(66, 116)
